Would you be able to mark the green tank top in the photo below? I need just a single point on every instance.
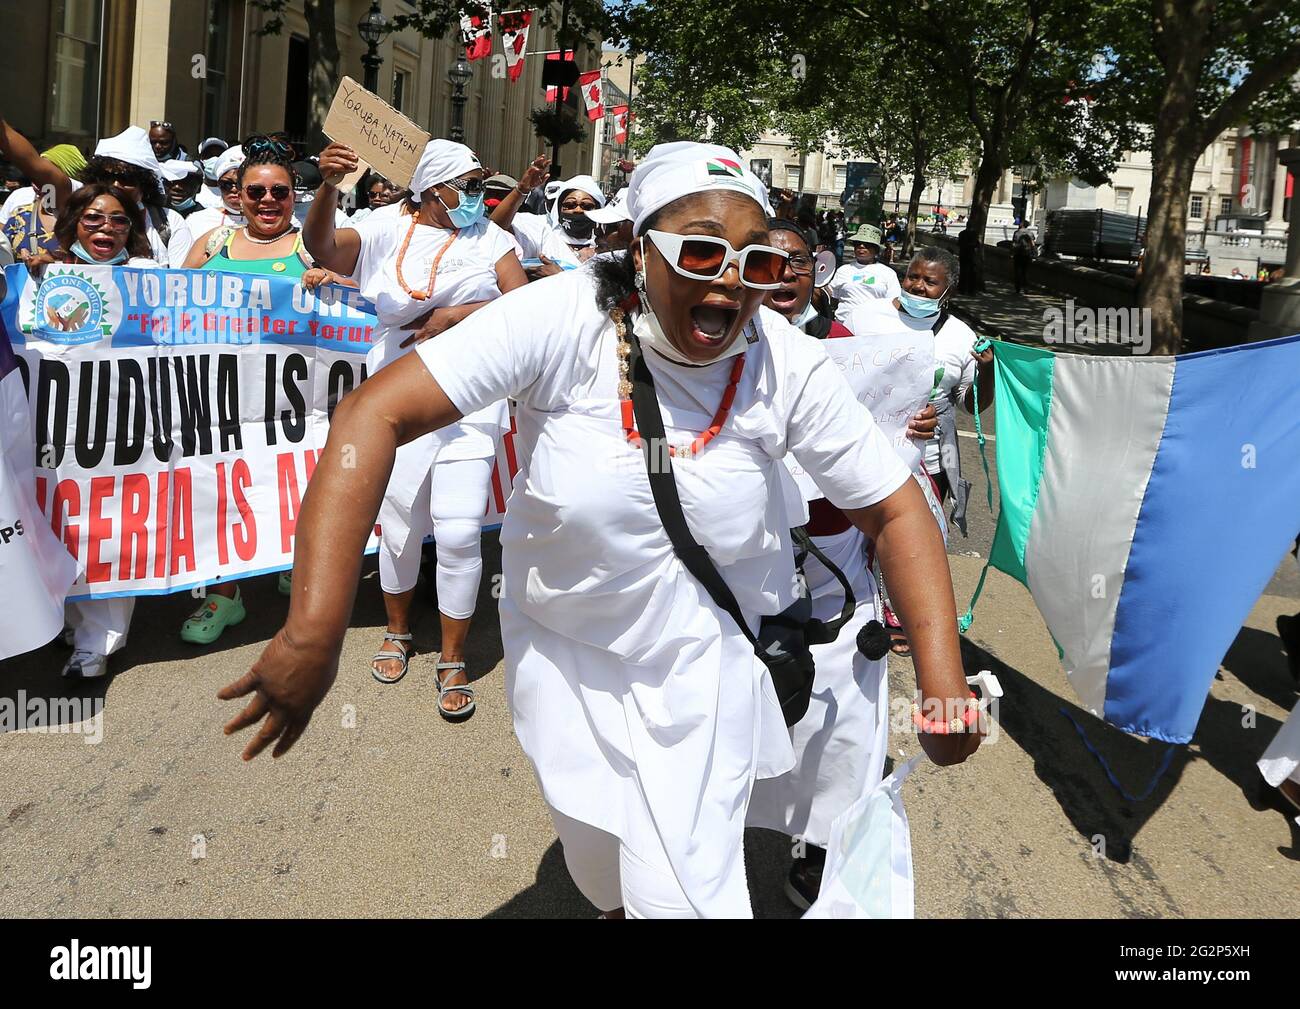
(272, 266)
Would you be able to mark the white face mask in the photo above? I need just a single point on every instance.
(650, 332)
(806, 316)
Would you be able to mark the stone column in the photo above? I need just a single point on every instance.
(1279, 307)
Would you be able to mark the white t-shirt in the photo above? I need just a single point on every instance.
(854, 284)
(538, 237)
(952, 347)
(466, 272)
(581, 511)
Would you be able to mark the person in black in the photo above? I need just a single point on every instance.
(1023, 249)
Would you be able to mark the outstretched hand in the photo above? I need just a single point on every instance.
(288, 681)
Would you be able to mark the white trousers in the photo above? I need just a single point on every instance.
(611, 875)
(99, 625)
(450, 504)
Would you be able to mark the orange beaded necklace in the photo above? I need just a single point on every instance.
(625, 395)
(433, 270)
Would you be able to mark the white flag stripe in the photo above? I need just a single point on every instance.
(1088, 503)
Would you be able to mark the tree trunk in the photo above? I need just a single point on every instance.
(913, 208)
(986, 182)
(323, 58)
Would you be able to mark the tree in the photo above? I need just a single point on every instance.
(433, 19)
(1191, 69)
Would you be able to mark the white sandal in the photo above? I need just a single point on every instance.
(403, 654)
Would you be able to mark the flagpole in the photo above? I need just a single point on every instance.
(559, 91)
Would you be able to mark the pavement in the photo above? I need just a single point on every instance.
(383, 809)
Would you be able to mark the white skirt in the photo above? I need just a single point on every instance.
(841, 743)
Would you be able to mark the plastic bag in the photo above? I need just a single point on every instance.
(868, 870)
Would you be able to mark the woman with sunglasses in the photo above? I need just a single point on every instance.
(228, 214)
(840, 744)
(426, 271)
(126, 162)
(267, 242)
(96, 227)
(562, 239)
(639, 701)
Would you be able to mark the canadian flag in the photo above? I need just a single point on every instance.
(513, 26)
(590, 84)
(476, 31)
(621, 119)
(550, 91)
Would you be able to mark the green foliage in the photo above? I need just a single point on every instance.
(556, 127)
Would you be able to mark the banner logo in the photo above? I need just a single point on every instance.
(71, 309)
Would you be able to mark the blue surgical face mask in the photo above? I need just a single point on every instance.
(467, 212)
(86, 257)
(918, 307)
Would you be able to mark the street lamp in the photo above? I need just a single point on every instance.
(372, 28)
(459, 75)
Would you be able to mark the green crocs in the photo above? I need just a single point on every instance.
(216, 614)
(285, 584)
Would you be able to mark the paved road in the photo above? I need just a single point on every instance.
(383, 809)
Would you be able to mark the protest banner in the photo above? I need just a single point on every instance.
(892, 375)
(179, 414)
(383, 138)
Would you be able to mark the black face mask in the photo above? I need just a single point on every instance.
(578, 226)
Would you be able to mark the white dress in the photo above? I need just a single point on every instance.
(632, 693)
(466, 273)
(841, 743)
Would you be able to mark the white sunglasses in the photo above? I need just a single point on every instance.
(705, 257)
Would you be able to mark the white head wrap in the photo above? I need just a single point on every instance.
(671, 171)
(582, 183)
(613, 212)
(441, 160)
(231, 157)
(132, 146)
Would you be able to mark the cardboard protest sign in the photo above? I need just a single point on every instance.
(383, 138)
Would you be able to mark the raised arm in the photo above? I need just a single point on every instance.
(296, 669)
(336, 250)
(43, 172)
(536, 175)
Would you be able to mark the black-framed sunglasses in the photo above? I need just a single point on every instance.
(228, 186)
(163, 123)
(279, 192)
(470, 187)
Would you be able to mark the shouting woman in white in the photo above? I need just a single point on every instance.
(425, 272)
(639, 701)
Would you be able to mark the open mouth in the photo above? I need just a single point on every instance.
(712, 322)
(102, 245)
(268, 215)
(783, 298)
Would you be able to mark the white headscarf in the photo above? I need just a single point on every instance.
(582, 183)
(441, 160)
(231, 157)
(671, 171)
(132, 146)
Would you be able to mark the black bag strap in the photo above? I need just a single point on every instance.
(820, 632)
(654, 446)
(696, 560)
